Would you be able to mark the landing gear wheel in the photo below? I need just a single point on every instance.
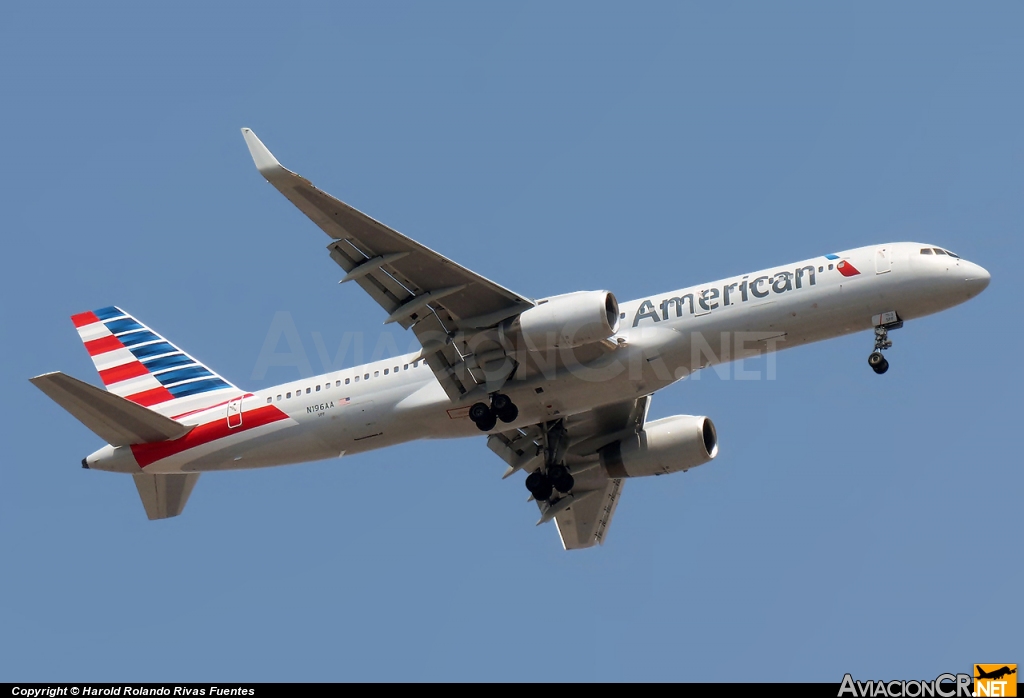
(509, 413)
(479, 411)
(539, 486)
(488, 422)
(499, 402)
(878, 363)
(560, 478)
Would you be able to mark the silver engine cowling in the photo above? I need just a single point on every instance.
(664, 446)
(569, 320)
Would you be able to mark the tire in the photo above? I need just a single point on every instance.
(479, 411)
(509, 414)
(560, 478)
(500, 402)
(876, 359)
(488, 422)
(539, 486)
(882, 367)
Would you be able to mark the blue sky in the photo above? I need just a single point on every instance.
(852, 523)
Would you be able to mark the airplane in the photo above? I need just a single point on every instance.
(995, 674)
(561, 386)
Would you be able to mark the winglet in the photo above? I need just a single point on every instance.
(265, 161)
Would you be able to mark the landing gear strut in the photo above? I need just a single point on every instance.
(486, 417)
(876, 361)
(553, 475)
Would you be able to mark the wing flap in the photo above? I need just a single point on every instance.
(585, 523)
(114, 419)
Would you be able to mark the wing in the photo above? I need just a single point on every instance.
(416, 286)
(583, 515)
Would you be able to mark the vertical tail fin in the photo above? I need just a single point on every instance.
(136, 363)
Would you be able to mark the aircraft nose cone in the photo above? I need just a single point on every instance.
(977, 277)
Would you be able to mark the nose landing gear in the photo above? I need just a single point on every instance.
(876, 361)
(486, 417)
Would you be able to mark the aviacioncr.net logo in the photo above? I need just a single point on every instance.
(995, 680)
(943, 686)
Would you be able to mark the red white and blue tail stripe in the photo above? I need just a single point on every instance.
(138, 364)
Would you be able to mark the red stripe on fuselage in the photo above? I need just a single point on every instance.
(132, 369)
(204, 434)
(152, 396)
(103, 345)
(83, 319)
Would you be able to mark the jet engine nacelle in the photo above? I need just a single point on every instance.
(569, 320)
(664, 446)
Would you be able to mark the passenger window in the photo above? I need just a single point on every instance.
(289, 396)
(348, 379)
(337, 383)
(938, 251)
(396, 369)
(357, 379)
(279, 398)
(926, 250)
(307, 391)
(366, 376)
(376, 374)
(270, 400)
(385, 372)
(830, 267)
(317, 388)
(821, 269)
(404, 368)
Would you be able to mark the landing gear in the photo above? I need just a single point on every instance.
(553, 476)
(876, 361)
(486, 417)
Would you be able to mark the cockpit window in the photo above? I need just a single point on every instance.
(938, 251)
(926, 250)
(956, 256)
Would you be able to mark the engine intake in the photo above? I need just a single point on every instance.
(569, 320)
(664, 446)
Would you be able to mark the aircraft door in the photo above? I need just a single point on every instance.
(235, 413)
(883, 260)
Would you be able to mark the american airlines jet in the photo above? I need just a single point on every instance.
(560, 385)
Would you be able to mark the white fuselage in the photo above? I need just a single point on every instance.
(661, 339)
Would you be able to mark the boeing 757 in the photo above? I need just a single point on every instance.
(561, 386)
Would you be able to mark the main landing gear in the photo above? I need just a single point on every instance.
(486, 417)
(876, 361)
(553, 475)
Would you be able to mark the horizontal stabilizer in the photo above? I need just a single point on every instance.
(164, 496)
(114, 419)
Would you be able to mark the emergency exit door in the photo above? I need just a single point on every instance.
(883, 260)
(235, 413)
